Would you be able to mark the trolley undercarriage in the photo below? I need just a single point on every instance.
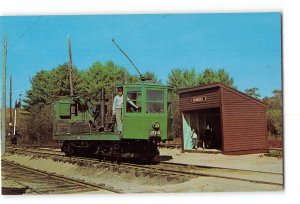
(147, 149)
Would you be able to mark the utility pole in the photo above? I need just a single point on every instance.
(15, 118)
(3, 131)
(70, 67)
(10, 107)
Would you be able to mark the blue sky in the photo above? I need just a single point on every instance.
(246, 45)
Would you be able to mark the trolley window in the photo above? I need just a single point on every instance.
(134, 100)
(155, 101)
(74, 109)
(64, 110)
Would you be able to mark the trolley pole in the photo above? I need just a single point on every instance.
(3, 130)
(70, 66)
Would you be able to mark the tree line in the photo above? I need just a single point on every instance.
(48, 86)
(274, 111)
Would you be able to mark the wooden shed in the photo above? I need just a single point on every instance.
(224, 119)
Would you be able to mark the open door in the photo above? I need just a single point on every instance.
(207, 125)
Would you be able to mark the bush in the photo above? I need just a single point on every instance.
(274, 153)
(35, 127)
(275, 122)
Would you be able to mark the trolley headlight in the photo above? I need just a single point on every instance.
(156, 126)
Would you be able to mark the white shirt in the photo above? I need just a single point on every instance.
(194, 135)
(118, 103)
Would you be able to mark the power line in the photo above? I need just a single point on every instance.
(28, 28)
(143, 26)
(106, 43)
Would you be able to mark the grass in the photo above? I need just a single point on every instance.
(274, 153)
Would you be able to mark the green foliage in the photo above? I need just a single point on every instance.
(274, 102)
(252, 92)
(275, 122)
(47, 86)
(274, 153)
(148, 75)
(100, 76)
(210, 76)
(40, 128)
(177, 125)
(274, 114)
(179, 78)
(35, 127)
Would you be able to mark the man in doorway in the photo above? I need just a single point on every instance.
(118, 108)
(207, 137)
(194, 139)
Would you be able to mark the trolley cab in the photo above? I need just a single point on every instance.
(91, 127)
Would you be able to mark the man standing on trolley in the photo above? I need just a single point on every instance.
(118, 108)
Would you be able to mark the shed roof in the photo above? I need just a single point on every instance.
(215, 85)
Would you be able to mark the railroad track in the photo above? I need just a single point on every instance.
(171, 146)
(41, 182)
(259, 177)
(127, 168)
(168, 170)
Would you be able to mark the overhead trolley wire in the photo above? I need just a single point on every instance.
(144, 25)
(25, 31)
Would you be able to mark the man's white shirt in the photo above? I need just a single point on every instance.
(118, 103)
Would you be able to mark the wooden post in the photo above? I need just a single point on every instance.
(15, 122)
(10, 108)
(70, 67)
(3, 129)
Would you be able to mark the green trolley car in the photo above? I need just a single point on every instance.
(87, 128)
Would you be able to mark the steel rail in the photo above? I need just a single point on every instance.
(221, 168)
(207, 174)
(174, 171)
(62, 178)
(179, 164)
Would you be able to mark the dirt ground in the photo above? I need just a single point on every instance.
(131, 184)
(255, 162)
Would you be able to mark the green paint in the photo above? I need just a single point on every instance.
(62, 111)
(136, 125)
(139, 125)
(108, 136)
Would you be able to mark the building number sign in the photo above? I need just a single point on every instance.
(198, 99)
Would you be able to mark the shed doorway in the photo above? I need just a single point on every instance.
(206, 123)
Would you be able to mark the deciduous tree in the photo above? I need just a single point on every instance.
(210, 76)
(274, 114)
(182, 78)
(253, 92)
